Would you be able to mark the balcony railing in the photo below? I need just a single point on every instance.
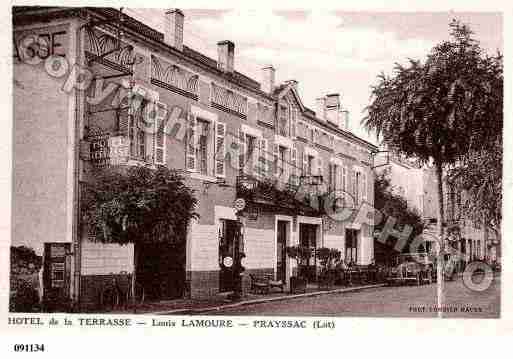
(269, 191)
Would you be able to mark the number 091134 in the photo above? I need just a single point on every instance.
(30, 348)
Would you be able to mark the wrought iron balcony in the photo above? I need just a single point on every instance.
(277, 194)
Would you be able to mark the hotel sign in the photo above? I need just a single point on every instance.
(32, 46)
(99, 150)
(104, 150)
(119, 150)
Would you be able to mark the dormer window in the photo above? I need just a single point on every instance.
(283, 121)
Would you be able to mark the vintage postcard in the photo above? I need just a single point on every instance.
(194, 167)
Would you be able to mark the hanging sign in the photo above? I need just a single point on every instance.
(119, 149)
(32, 46)
(239, 204)
(99, 150)
(227, 262)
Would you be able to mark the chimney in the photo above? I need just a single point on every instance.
(225, 55)
(268, 78)
(321, 108)
(173, 29)
(344, 120)
(333, 108)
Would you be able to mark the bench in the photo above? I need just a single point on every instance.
(264, 283)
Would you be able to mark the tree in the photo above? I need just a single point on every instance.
(24, 279)
(441, 109)
(139, 205)
(479, 176)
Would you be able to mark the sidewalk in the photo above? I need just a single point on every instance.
(195, 306)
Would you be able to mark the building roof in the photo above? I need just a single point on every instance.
(28, 13)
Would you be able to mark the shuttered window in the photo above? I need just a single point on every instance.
(276, 150)
(334, 182)
(344, 179)
(241, 140)
(282, 163)
(364, 187)
(204, 138)
(294, 173)
(319, 166)
(305, 164)
(293, 123)
(263, 159)
(220, 149)
(160, 138)
(283, 121)
(190, 158)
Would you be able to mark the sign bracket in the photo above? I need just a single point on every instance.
(373, 154)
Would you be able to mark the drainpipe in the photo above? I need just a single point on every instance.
(77, 232)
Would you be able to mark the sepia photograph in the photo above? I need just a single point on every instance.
(235, 162)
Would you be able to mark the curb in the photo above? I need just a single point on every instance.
(263, 300)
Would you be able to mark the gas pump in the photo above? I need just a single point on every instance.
(238, 255)
(56, 274)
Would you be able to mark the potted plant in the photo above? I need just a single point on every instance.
(327, 257)
(297, 253)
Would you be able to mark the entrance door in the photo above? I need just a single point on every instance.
(281, 243)
(161, 270)
(308, 239)
(227, 234)
(351, 246)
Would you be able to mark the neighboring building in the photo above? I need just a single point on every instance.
(418, 186)
(471, 239)
(406, 181)
(65, 129)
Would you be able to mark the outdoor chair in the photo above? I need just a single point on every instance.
(264, 283)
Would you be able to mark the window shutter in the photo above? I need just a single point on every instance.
(160, 138)
(336, 177)
(356, 190)
(305, 164)
(263, 166)
(276, 158)
(255, 154)
(285, 165)
(330, 176)
(124, 121)
(242, 150)
(220, 150)
(293, 123)
(339, 184)
(191, 144)
(344, 179)
(294, 169)
(364, 186)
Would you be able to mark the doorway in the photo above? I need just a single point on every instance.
(161, 270)
(281, 254)
(351, 254)
(308, 239)
(228, 230)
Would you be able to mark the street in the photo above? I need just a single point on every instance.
(404, 301)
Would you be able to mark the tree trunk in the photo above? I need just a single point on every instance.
(441, 247)
(134, 278)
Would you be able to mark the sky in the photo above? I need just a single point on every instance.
(326, 51)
